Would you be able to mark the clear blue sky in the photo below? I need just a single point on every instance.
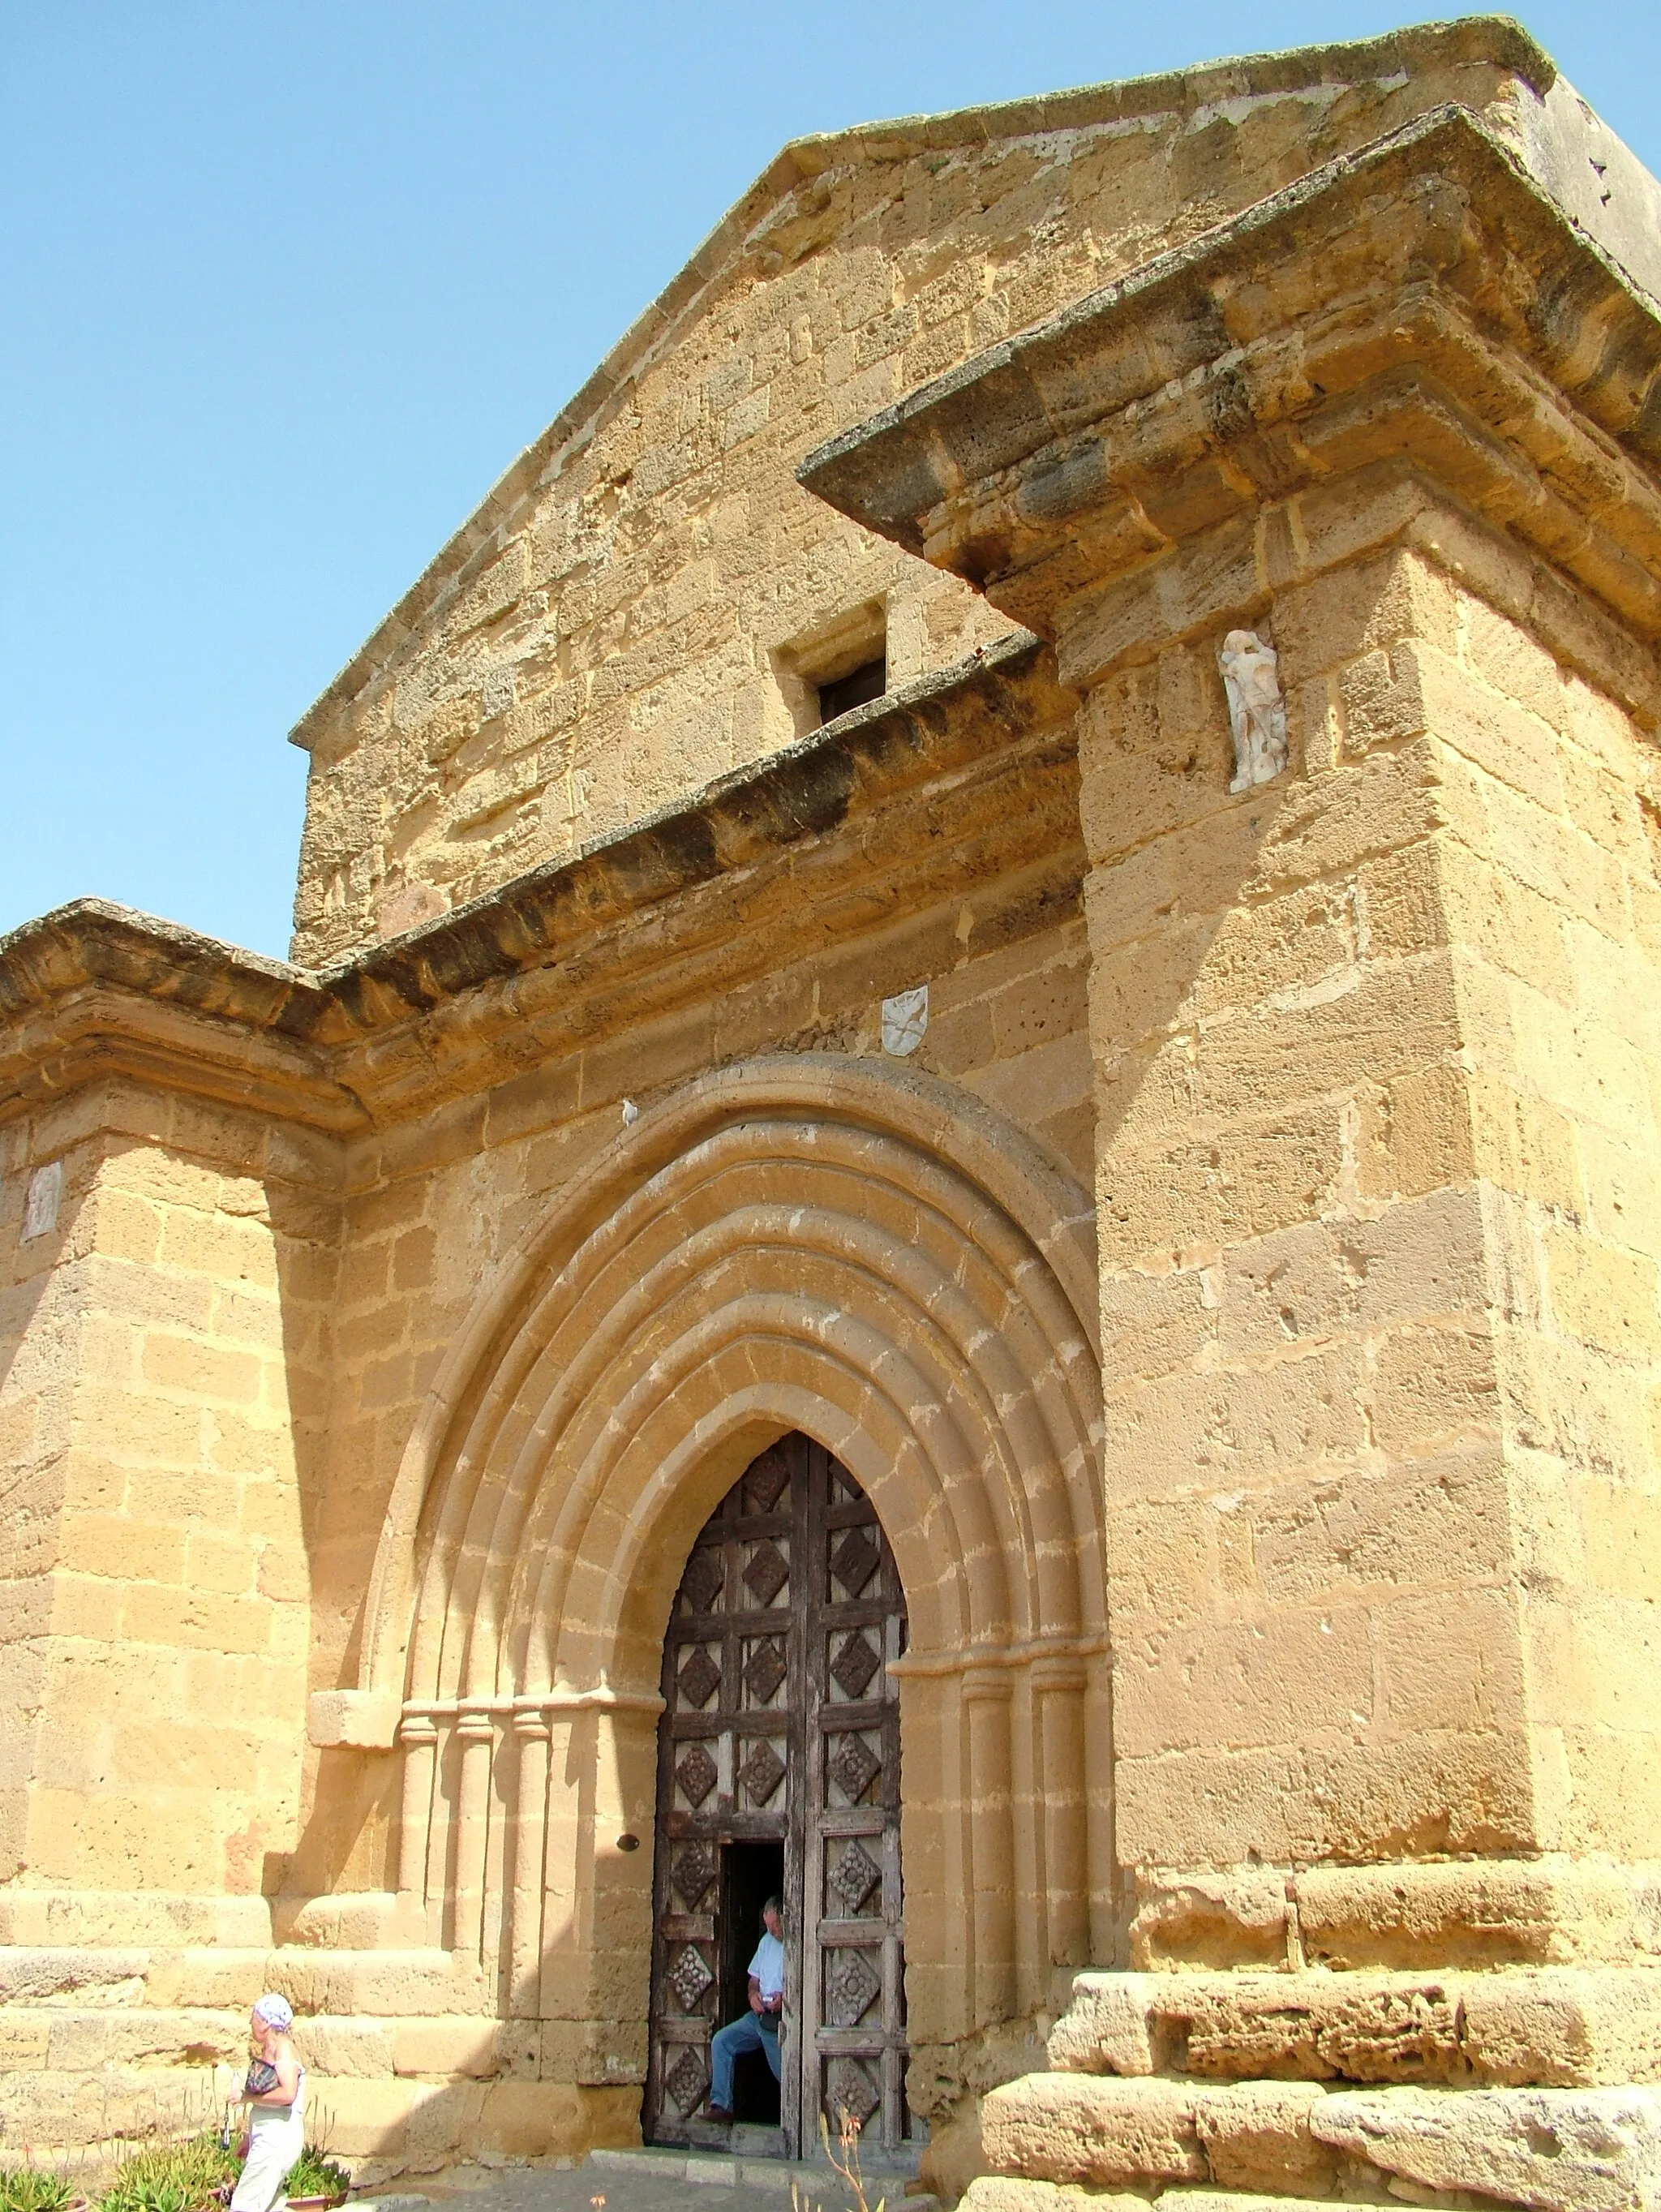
(287, 285)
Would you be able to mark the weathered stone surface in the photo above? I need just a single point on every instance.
(1563, 2027)
(1554, 1912)
(79, 1976)
(1111, 2027)
(1257, 2136)
(1311, 2027)
(994, 2193)
(1551, 2026)
(1073, 2127)
(1590, 2150)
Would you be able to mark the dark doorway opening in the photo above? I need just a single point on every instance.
(750, 1873)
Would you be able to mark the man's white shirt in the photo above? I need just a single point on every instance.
(768, 1967)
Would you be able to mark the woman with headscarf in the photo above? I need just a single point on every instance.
(275, 2093)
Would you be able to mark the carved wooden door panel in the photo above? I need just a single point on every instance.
(781, 1726)
(854, 1989)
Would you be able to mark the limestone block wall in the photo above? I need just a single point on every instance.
(641, 603)
(1549, 873)
(164, 1370)
(1378, 1343)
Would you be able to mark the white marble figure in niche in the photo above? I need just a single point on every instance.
(1257, 709)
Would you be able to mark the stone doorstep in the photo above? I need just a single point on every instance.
(717, 2170)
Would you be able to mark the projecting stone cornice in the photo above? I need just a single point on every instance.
(951, 782)
(94, 990)
(1423, 306)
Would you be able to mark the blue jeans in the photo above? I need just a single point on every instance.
(739, 2035)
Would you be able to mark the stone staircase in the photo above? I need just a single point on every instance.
(1239, 2092)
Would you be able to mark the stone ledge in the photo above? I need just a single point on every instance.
(1560, 2028)
(1559, 2150)
(1223, 374)
(70, 1922)
(380, 2127)
(454, 1006)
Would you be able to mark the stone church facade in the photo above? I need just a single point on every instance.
(842, 1252)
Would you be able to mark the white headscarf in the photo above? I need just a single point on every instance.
(276, 2011)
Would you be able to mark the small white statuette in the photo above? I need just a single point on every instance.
(631, 1112)
(905, 1020)
(45, 1192)
(1257, 709)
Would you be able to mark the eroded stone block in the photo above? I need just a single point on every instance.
(1560, 2150)
(1077, 2127)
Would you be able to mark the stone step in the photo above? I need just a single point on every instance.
(1225, 2200)
(1104, 2131)
(1546, 2026)
(1000, 2193)
(382, 2128)
(745, 2140)
(433, 2046)
(218, 1978)
(1558, 2150)
(813, 2178)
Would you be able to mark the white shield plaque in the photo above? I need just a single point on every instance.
(45, 1192)
(905, 1018)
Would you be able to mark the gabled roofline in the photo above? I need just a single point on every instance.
(1497, 39)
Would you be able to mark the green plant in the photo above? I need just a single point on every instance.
(162, 2196)
(173, 2176)
(314, 2174)
(26, 2189)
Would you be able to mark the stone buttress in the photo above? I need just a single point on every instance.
(1375, 1058)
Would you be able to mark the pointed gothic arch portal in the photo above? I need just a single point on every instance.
(876, 1261)
(779, 1748)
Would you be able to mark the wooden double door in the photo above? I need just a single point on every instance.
(779, 1769)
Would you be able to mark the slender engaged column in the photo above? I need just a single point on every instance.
(476, 1732)
(987, 1698)
(1058, 1690)
(418, 1740)
(531, 1732)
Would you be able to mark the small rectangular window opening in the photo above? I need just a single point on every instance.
(856, 689)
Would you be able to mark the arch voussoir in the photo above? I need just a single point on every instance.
(800, 1245)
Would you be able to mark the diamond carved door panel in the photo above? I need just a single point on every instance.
(781, 1724)
(853, 2002)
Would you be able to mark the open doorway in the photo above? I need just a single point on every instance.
(750, 1875)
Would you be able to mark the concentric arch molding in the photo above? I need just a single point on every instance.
(797, 1241)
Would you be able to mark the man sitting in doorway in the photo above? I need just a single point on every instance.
(759, 2028)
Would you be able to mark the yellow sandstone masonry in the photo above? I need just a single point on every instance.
(1242, 1309)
